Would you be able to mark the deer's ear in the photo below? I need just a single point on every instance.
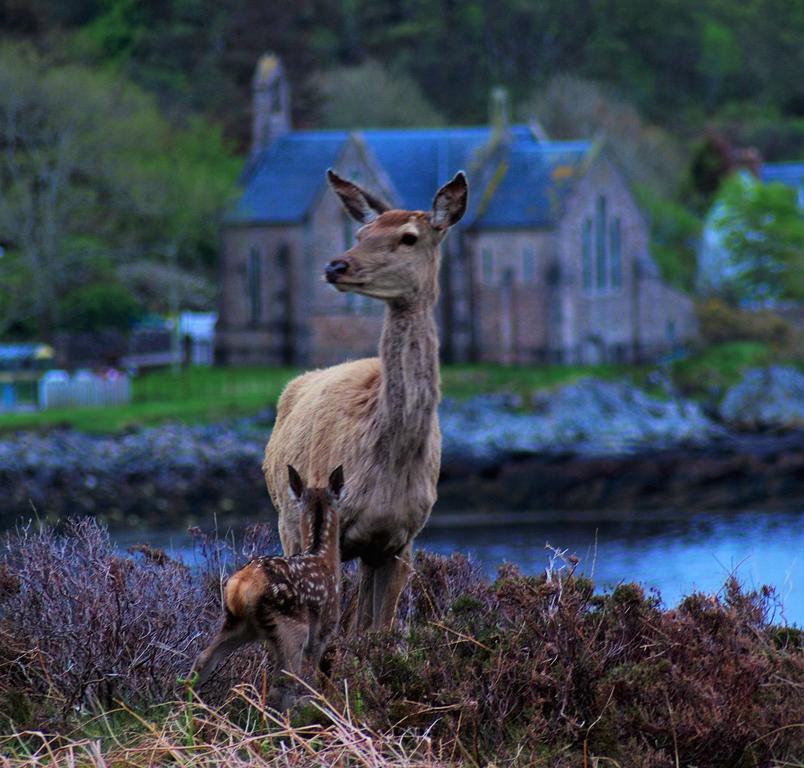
(449, 204)
(295, 484)
(362, 206)
(336, 482)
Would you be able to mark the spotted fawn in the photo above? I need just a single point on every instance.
(293, 603)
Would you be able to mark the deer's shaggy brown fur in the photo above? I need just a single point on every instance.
(378, 415)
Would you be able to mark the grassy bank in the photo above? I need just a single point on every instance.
(213, 394)
(522, 671)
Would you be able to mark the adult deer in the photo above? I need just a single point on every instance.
(379, 415)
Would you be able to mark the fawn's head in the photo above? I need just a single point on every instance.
(395, 257)
(318, 506)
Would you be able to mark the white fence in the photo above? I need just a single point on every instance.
(58, 390)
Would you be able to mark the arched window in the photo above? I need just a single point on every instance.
(254, 281)
(615, 255)
(348, 233)
(529, 264)
(600, 228)
(587, 255)
(488, 266)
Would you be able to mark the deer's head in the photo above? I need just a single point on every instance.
(316, 504)
(395, 257)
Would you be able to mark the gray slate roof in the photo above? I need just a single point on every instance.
(520, 182)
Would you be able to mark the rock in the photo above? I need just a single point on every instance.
(589, 417)
(766, 398)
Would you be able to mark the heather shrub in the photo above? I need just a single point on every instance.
(721, 322)
(530, 670)
(83, 627)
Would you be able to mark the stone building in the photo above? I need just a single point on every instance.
(549, 264)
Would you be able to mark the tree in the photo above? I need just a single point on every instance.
(763, 231)
(369, 96)
(92, 176)
(572, 108)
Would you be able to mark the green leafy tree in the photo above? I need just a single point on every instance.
(763, 230)
(368, 96)
(92, 176)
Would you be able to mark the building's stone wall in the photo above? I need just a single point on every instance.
(598, 318)
(507, 296)
(511, 294)
(272, 332)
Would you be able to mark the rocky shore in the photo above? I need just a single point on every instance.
(591, 444)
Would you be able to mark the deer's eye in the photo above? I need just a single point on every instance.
(408, 239)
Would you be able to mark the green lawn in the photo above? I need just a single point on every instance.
(209, 394)
(720, 366)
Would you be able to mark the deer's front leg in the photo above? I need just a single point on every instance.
(389, 581)
(313, 628)
(365, 597)
(289, 641)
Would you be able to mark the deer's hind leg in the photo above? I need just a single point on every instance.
(234, 633)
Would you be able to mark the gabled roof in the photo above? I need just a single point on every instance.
(532, 184)
(791, 174)
(281, 183)
(517, 181)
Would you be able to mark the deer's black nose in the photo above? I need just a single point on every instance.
(334, 269)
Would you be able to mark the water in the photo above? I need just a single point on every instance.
(676, 554)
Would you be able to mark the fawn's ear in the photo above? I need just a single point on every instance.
(362, 206)
(449, 204)
(296, 486)
(336, 482)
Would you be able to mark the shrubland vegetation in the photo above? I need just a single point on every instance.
(526, 671)
(121, 121)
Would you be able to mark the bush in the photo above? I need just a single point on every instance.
(721, 322)
(82, 627)
(98, 307)
(530, 670)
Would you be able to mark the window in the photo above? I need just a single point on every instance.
(587, 255)
(615, 255)
(348, 233)
(602, 277)
(254, 282)
(488, 266)
(528, 264)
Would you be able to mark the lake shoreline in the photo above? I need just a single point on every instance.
(735, 471)
(592, 444)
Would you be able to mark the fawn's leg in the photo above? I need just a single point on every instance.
(365, 597)
(389, 581)
(313, 628)
(289, 641)
(232, 635)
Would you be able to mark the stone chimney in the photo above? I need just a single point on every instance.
(271, 102)
(499, 112)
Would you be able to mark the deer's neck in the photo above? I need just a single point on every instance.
(326, 536)
(410, 378)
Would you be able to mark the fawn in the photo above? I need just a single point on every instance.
(291, 602)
